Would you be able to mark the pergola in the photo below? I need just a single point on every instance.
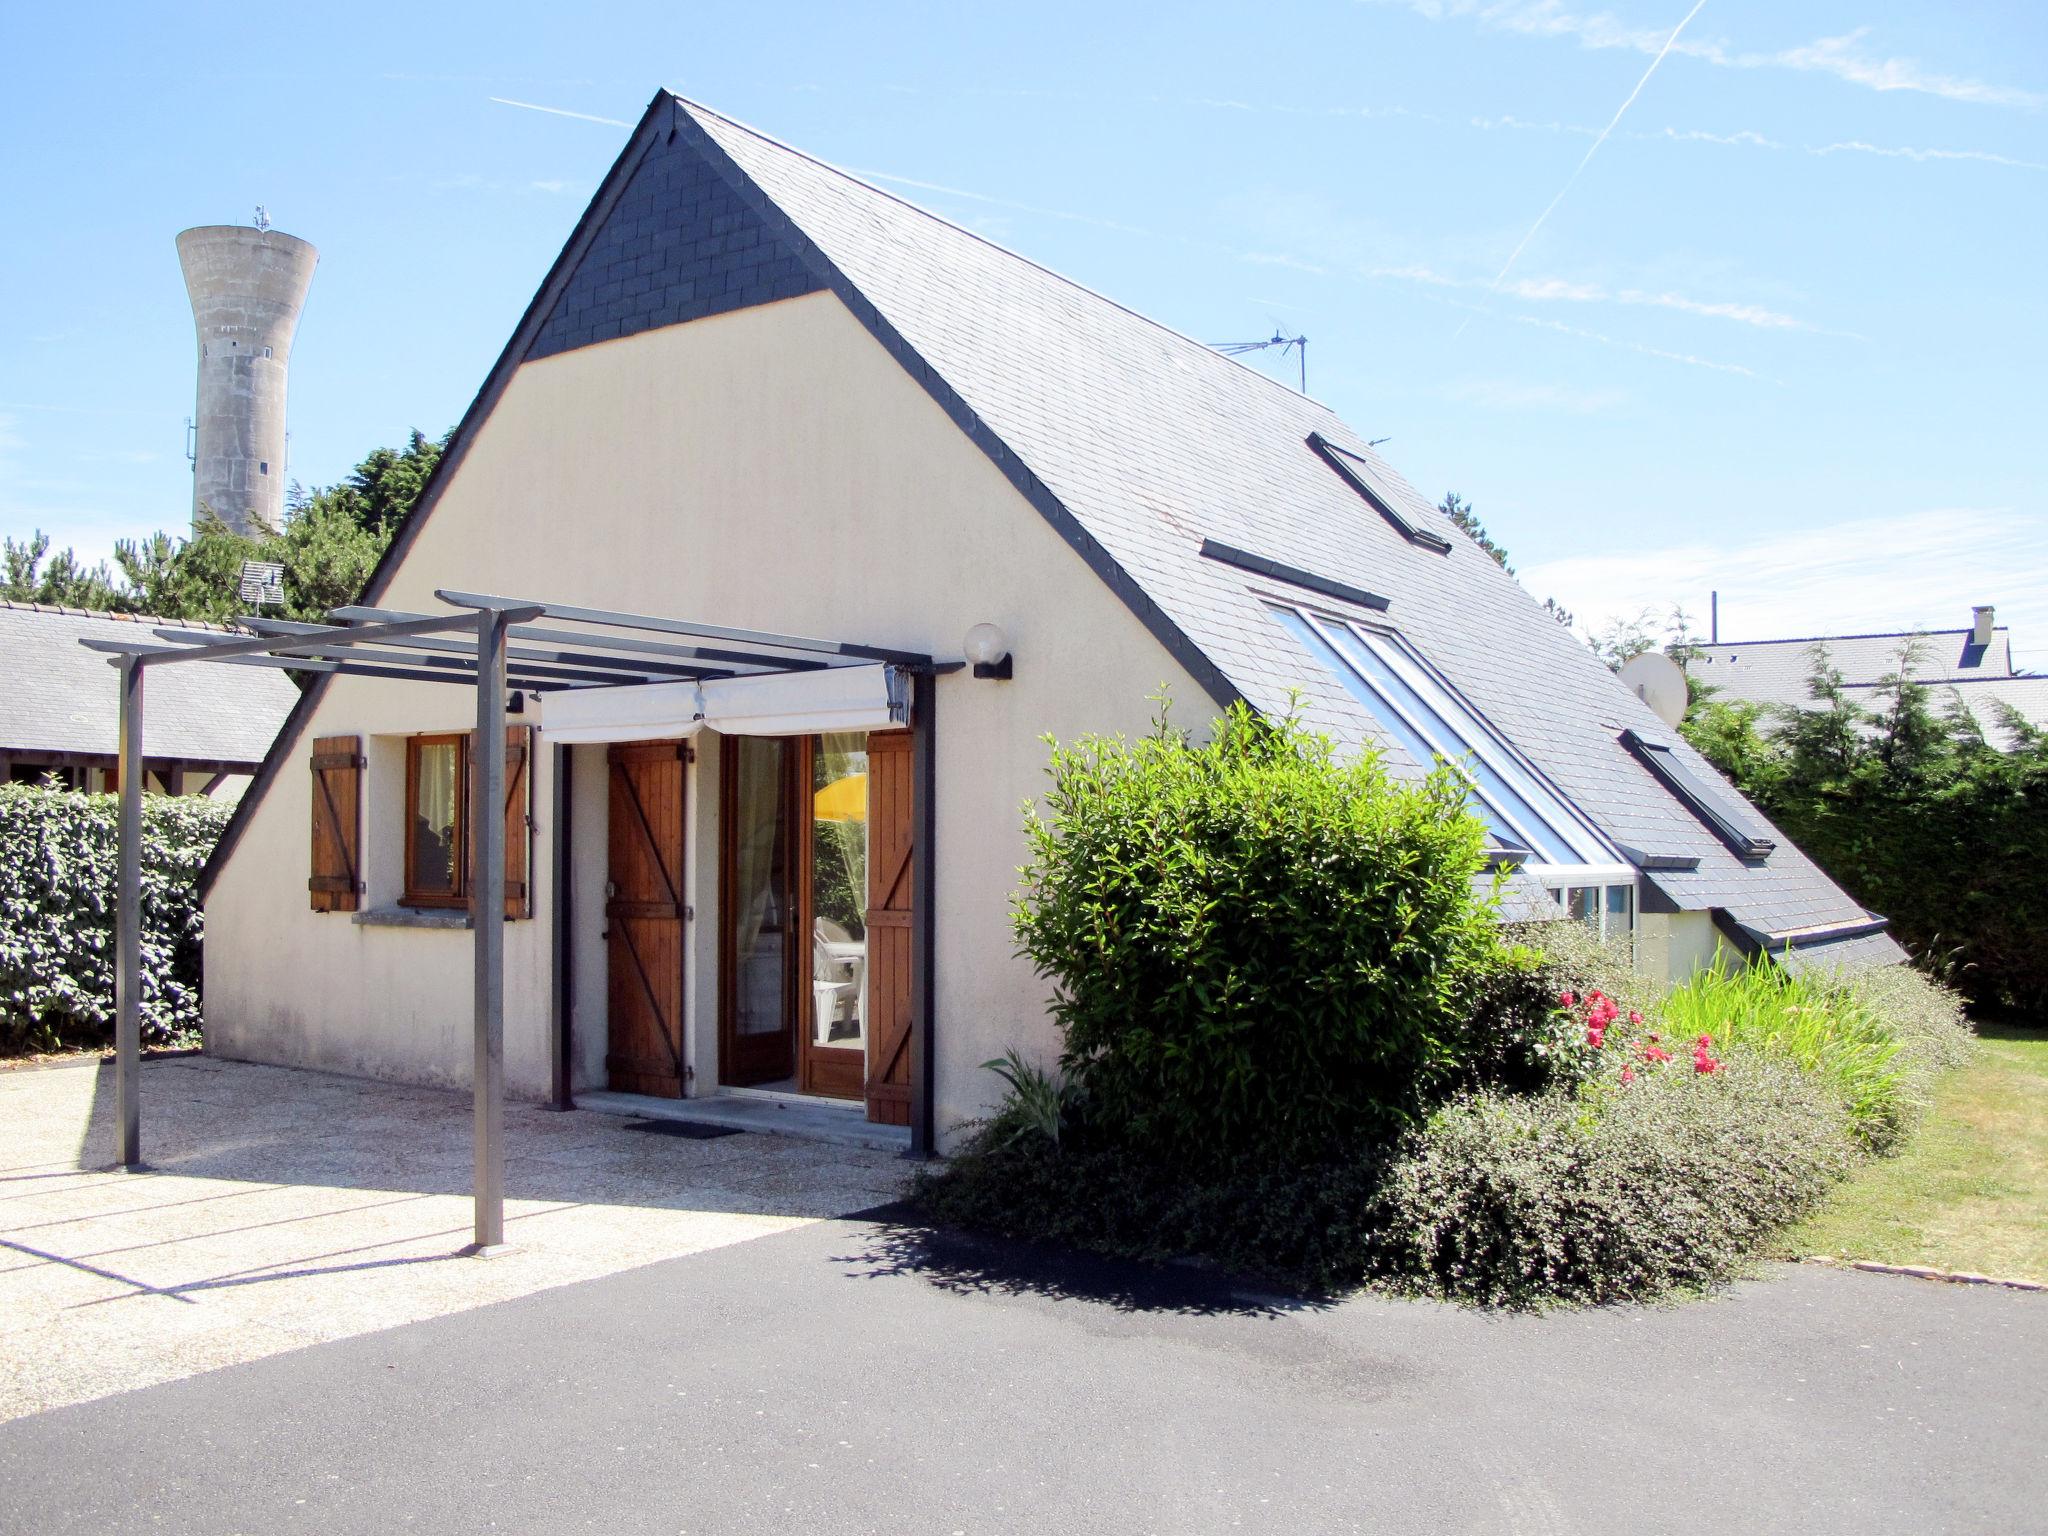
(496, 645)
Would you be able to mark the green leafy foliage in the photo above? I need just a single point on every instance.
(1908, 807)
(1257, 950)
(1605, 1194)
(1572, 1158)
(329, 543)
(1459, 511)
(58, 856)
(1823, 1030)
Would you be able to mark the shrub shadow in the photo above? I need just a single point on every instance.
(902, 1241)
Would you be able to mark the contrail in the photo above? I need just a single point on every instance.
(1591, 150)
(609, 122)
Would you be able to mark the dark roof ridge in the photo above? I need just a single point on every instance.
(1887, 634)
(997, 245)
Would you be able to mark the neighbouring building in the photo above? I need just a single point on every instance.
(1971, 666)
(207, 730)
(757, 392)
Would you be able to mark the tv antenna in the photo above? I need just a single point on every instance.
(1297, 344)
(262, 219)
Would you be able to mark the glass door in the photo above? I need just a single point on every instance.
(758, 912)
(833, 1053)
(793, 984)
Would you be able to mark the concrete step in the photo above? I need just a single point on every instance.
(811, 1121)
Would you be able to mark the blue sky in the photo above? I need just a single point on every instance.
(1781, 334)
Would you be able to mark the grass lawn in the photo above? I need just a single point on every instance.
(1970, 1190)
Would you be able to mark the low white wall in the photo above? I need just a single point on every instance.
(1671, 946)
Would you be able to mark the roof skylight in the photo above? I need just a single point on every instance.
(1359, 475)
(1724, 818)
(1526, 819)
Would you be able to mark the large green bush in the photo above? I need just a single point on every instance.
(58, 855)
(1258, 951)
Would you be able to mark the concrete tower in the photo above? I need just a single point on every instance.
(247, 286)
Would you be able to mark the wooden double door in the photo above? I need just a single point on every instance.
(814, 922)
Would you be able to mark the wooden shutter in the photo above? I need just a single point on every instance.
(891, 832)
(518, 823)
(336, 883)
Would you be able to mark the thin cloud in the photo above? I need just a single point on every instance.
(1839, 57)
(1857, 146)
(1003, 202)
(1636, 346)
(584, 117)
(1912, 570)
(1594, 148)
(1559, 290)
(1515, 395)
(1742, 136)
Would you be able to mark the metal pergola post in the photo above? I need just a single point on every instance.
(487, 914)
(128, 926)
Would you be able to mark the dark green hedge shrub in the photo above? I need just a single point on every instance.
(58, 852)
(1904, 802)
(1258, 951)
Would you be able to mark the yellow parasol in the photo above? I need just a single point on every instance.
(842, 800)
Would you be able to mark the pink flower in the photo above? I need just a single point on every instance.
(1628, 1075)
(1705, 1041)
(1567, 999)
(1654, 1054)
(1634, 1017)
(1596, 1037)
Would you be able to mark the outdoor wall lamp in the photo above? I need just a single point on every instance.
(988, 649)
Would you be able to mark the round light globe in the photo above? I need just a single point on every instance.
(986, 645)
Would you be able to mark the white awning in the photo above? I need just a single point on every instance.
(864, 698)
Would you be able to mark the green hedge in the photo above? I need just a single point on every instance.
(1257, 951)
(58, 856)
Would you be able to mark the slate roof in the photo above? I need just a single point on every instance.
(1137, 445)
(59, 697)
(1775, 672)
(1151, 443)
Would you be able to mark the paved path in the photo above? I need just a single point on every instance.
(855, 1376)
(288, 1208)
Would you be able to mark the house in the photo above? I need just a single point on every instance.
(761, 396)
(58, 715)
(1972, 667)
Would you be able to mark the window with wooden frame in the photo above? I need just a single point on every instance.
(436, 821)
(438, 842)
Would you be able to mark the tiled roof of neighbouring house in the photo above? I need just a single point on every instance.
(1775, 673)
(59, 697)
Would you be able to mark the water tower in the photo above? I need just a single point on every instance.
(247, 284)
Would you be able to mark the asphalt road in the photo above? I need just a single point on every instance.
(855, 1376)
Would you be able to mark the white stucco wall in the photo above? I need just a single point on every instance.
(1671, 946)
(772, 468)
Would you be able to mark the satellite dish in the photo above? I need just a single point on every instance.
(1659, 682)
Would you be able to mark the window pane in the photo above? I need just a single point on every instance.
(1424, 735)
(761, 889)
(839, 890)
(1461, 736)
(1585, 905)
(435, 783)
(1621, 910)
